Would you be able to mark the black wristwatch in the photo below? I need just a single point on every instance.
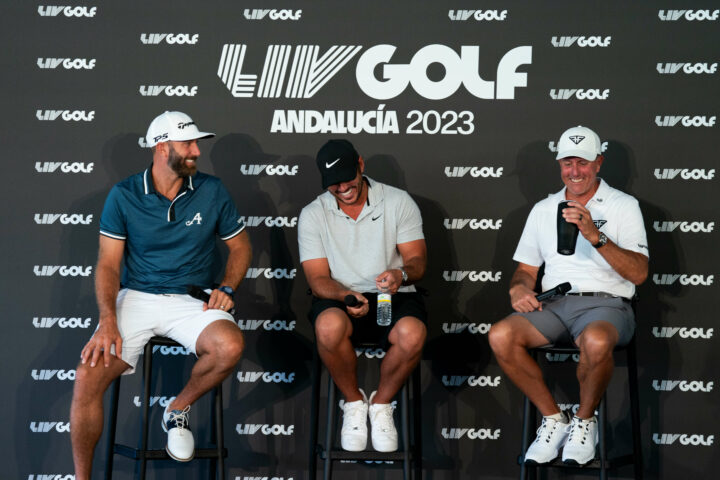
(602, 240)
(227, 290)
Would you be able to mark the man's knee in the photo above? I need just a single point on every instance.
(91, 382)
(409, 334)
(501, 337)
(597, 344)
(331, 328)
(228, 348)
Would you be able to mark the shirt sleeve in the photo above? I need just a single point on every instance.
(229, 222)
(113, 222)
(309, 234)
(528, 249)
(632, 235)
(409, 220)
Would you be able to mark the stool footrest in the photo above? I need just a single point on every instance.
(367, 455)
(137, 454)
(594, 464)
(558, 463)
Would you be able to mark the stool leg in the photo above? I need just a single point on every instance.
(526, 432)
(219, 431)
(405, 426)
(329, 433)
(416, 411)
(602, 431)
(147, 374)
(314, 413)
(110, 453)
(634, 409)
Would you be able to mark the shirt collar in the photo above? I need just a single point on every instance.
(600, 196)
(149, 186)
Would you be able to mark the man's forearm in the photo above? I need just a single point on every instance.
(415, 269)
(632, 266)
(237, 266)
(107, 285)
(522, 278)
(327, 287)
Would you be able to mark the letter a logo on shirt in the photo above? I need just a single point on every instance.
(197, 218)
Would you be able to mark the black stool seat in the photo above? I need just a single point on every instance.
(329, 452)
(603, 463)
(142, 453)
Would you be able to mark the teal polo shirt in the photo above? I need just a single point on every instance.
(170, 244)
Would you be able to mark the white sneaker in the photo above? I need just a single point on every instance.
(384, 435)
(353, 436)
(580, 446)
(551, 436)
(180, 443)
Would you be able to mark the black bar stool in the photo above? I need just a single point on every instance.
(601, 464)
(329, 452)
(142, 453)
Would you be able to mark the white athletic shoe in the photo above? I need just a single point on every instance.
(580, 446)
(353, 436)
(384, 435)
(550, 438)
(180, 443)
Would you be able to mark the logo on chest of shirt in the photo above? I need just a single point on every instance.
(197, 218)
(599, 223)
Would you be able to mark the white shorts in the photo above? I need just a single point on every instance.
(141, 316)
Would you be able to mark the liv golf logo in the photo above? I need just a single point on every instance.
(301, 71)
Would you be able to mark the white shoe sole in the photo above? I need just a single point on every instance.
(177, 459)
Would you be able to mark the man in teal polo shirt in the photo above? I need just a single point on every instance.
(163, 223)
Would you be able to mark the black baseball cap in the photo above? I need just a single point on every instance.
(337, 161)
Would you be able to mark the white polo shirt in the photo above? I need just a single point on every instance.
(615, 213)
(359, 250)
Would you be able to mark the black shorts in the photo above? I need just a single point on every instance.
(366, 329)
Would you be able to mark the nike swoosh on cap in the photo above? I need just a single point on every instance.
(328, 165)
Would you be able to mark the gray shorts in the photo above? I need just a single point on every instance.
(563, 318)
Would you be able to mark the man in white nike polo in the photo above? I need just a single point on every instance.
(358, 238)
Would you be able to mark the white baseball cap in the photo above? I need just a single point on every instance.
(579, 142)
(175, 126)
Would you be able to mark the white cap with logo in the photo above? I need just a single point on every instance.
(173, 126)
(579, 142)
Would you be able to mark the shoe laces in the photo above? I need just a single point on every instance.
(578, 430)
(383, 417)
(354, 414)
(180, 418)
(546, 429)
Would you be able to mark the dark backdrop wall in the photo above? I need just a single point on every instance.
(460, 103)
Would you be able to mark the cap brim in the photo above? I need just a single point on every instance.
(193, 136)
(577, 153)
(338, 177)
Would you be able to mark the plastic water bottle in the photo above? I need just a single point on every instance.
(384, 309)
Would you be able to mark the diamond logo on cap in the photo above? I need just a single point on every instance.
(577, 138)
(328, 165)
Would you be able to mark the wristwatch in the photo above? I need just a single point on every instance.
(226, 289)
(602, 240)
(404, 274)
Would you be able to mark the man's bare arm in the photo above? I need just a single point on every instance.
(107, 285)
(238, 262)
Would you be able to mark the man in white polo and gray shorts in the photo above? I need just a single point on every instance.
(162, 224)
(358, 238)
(610, 259)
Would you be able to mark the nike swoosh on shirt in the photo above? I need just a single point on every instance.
(377, 217)
(328, 165)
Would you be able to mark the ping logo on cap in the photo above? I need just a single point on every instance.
(577, 139)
